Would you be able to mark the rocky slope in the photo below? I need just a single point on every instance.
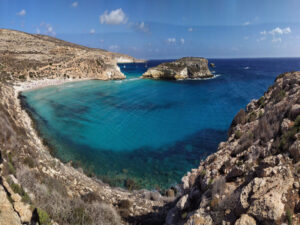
(254, 177)
(28, 56)
(34, 185)
(184, 68)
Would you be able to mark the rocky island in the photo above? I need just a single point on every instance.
(181, 69)
(253, 178)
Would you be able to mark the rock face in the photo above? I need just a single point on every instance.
(254, 177)
(184, 68)
(26, 56)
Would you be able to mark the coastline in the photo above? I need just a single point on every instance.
(38, 84)
(75, 180)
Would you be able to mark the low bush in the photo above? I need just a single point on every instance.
(43, 216)
(252, 117)
(289, 137)
(19, 190)
(261, 102)
(238, 134)
(29, 162)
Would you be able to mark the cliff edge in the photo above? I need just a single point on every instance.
(254, 177)
(184, 68)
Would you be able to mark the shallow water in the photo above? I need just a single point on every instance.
(152, 132)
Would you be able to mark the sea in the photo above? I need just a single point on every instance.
(142, 133)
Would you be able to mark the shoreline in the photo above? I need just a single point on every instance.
(43, 83)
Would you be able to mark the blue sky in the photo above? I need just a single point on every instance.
(159, 29)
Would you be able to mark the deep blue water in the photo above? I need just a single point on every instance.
(152, 132)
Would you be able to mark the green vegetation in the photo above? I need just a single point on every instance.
(11, 168)
(238, 134)
(252, 117)
(29, 162)
(80, 217)
(19, 190)
(44, 218)
(261, 102)
(289, 137)
(10, 165)
(289, 217)
(203, 173)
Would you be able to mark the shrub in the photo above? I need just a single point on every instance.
(238, 134)
(240, 118)
(44, 218)
(131, 184)
(261, 102)
(19, 190)
(289, 217)
(11, 168)
(289, 137)
(252, 116)
(29, 162)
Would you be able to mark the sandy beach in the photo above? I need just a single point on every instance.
(37, 84)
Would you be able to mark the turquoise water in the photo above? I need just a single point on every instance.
(151, 132)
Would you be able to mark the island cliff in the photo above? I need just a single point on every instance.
(253, 178)
(184, 68)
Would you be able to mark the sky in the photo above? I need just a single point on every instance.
(160, 29)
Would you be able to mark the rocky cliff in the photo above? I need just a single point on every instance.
(27, 56)
(184, 68)
(34, 185)
(254, 177)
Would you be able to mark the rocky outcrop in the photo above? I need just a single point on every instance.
(254, 177)
(26, 56)
(184, 68)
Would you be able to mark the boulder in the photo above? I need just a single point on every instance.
(184, 68)
(245, 220)
(7, 214)
(199, 217)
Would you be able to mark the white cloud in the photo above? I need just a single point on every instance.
(275, 34)
(280, 31)
(22, 12)
(113, 47)
(263, 32)
(261, 39)
(275, 40)
(246, 23)
(45, 28)
(113, 17)
(141, 26)
(171, 40)
(246, 37)
(190, 29)
(182, 40)
(74, 4)
(92, 31)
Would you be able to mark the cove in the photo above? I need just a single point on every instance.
(151, 132)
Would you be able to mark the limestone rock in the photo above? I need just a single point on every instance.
(245, 220)
(183, 202)
(199, 218)
(184, 68)
(7, 214)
